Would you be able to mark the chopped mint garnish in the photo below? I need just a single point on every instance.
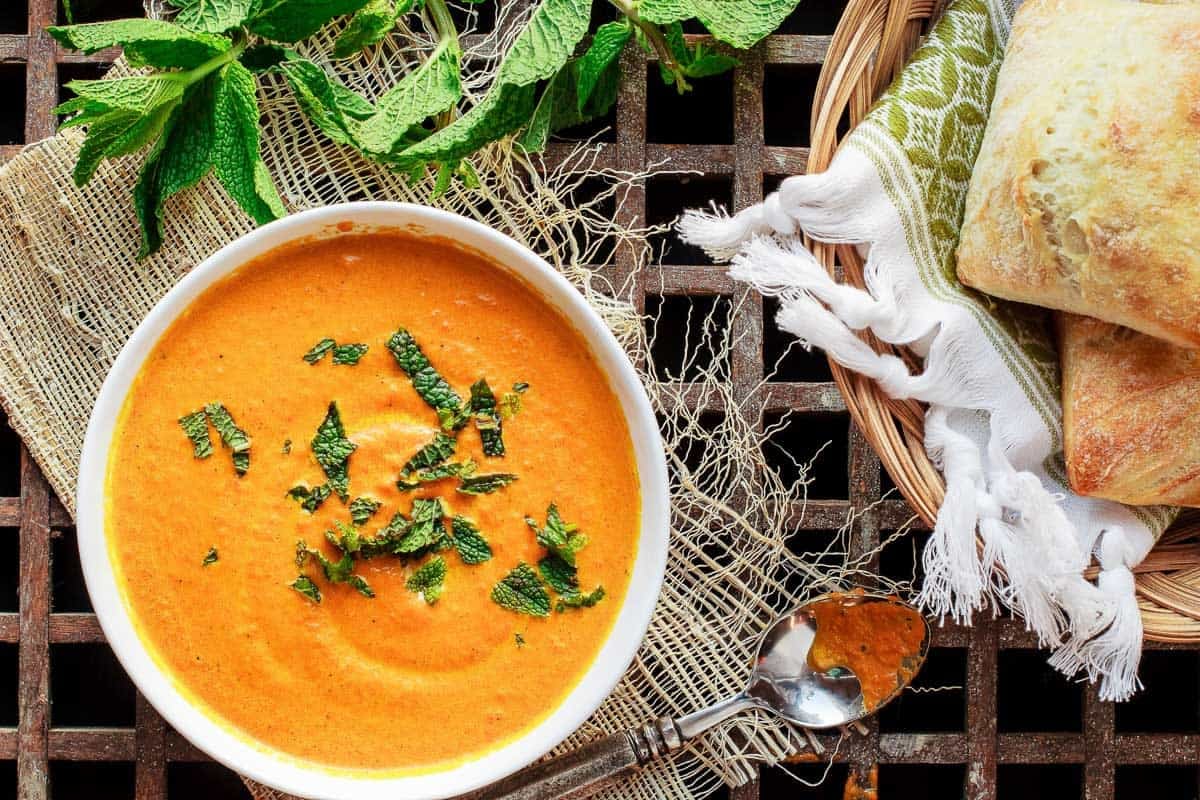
(428, 580)
(509, 405)
(578, 600)
(562, 577)
(310, 499)
(427, 531)
(232, 436)
(195, 425)
(305, 586)
(363, 508)
(428, 382)
(287, 447)
(520, 387)
(210, 557)
(519, 639)
(487, 418)
(432, 454)
(386, 538)
(332, 450)
(521, 591)
(360, 583)
(349, 353)
(319, 350)
(561, 538)
(485, 483)
(471, 546)
(452, 469)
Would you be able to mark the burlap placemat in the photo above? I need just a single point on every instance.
(72, 291)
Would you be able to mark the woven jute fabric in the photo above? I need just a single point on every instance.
(72, 291)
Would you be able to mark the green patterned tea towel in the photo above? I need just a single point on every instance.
(994, 424)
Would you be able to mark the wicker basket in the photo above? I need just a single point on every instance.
(871, 44)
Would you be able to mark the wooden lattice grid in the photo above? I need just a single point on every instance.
(71, 724)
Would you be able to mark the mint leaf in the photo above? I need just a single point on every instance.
(319, 350)
(741, 24)
(705, 62)
(604, 51)
(554, 29)
(123, 115)
(427, 529)
(428, 580)
(432, 454)
(232, 436)
(332, 450)
(521, 591)
(349, 354)
(487, 419)
(287, 447)
(310, 499)
(369, 25)
(146, 42)
(293, 20)
(212, 16)
(538, 53)
(428, 90)
(235, 148)
(549, 38)
(469, 542)
(306, 587)
(362, 509)
(564, 580)
(485, 483)
(560, 538)
(211, 557)
(503, 110)
(180, 159)
(360, 583)
(562, 577)
(331, 106)
(453, 469)
(195, 425)
(386, 538)
(578, 600)
(428, 382)
(138, 93)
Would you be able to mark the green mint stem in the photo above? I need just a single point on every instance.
(447, 33)
(655, 36)
(200, 72)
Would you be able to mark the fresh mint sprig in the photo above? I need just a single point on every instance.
(195, 111)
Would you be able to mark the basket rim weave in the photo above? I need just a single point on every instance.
(870, 45)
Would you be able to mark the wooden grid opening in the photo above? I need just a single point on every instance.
(1003, 725)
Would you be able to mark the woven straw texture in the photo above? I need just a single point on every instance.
(870, 46)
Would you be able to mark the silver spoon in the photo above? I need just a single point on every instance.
(781, 682)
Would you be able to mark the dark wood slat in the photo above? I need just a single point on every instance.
(41, 72)
(151, 746)
(981, 710)
(33, 652)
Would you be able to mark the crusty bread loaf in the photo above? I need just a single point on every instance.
(1086, 193)
(1131, 414)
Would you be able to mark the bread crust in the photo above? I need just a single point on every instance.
(1131, 410)
(1086, 193)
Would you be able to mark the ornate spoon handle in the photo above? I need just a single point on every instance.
(580, 772)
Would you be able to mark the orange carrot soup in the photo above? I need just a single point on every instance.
(372, 503)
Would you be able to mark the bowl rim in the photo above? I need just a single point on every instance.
(276, 769)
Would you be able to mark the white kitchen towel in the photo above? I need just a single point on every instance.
(896, 188)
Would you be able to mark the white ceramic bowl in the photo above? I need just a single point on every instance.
(275, 769)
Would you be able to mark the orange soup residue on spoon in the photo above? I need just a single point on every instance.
(879, 642)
